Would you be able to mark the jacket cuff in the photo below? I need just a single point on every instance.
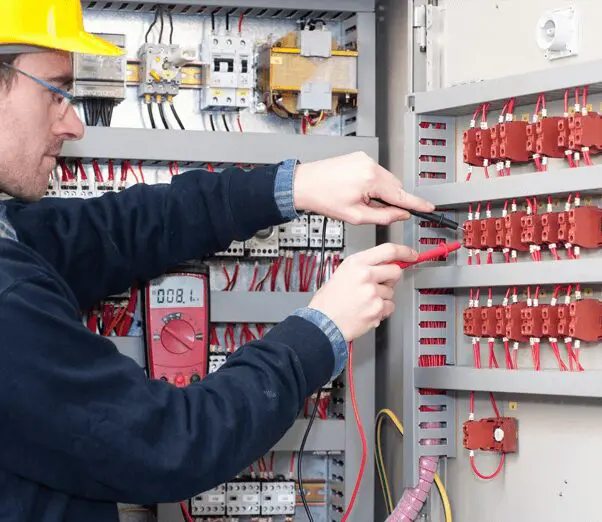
(331, 330)
(311, 346)
(284, 189)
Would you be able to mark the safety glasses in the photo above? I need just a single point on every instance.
(62, 99)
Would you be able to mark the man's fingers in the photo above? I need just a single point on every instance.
(386, 253)
(382, 215)
(385, 292)
(385, 274)
(390, 189)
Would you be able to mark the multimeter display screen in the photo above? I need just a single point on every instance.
(176, 291)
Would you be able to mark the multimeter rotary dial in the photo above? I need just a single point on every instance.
(178, 335)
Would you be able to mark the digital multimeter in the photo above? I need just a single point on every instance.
(177, 325)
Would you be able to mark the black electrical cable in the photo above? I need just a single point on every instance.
(176, 116)
(225, 122)
(213, 22)
(151, 116)
(162, 25)
(162, 114)
(227, 22)
(152, 25)
(170, 26)
(318, 396)
(212, 122)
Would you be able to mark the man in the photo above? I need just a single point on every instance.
(82, 426)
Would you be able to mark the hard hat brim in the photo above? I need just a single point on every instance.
(83, 43)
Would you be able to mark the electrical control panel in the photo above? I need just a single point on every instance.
(265, 243)
(236, 249)
(295, 234)
(211, 503)
(161, 68)
(101, 76)
(229, 72)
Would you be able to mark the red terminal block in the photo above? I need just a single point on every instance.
(546, 142)
(500, 322)
(483, 150)
(472, 234)
(513, 141)
(472, 322)
(494, 134)
(584, 320)
(581, 227)
(532, 321)
(551, 319)
(499, 434)
(513, 230)
(488, 233)
(549, 231)
(531, 229)
(469, 139)
(585, 131)
(514, 322)
(489, 321)
(500, 233)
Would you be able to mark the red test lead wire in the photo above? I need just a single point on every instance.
(443, 250)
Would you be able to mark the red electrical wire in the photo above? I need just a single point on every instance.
(487, 477)
(240, 21)
(360, 428)
(185, 512)
(238, 122)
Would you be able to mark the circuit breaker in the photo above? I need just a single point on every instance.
(230, 73)
(335, 233)
(264, 243)
(244, 498)
(209, 503)
(161, 68)
(295, 234)
(101, 76)
(278, 498)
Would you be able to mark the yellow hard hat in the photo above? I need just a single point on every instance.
(51, 24)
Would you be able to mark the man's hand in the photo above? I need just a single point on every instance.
(343, 187)
(360, 293)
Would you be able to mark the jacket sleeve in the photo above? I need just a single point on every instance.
(101, 245)
(80, 418)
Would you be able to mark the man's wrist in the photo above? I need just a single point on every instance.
(331, 330)
(284, 189)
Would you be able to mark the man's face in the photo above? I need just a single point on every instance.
(32, 132)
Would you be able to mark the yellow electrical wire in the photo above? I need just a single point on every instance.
(384, 481)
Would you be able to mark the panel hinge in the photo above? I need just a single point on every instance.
(420, 27)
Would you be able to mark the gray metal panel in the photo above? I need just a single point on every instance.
(319, 5)
(562, 181)
(528, 273)
(255, 307)
(200, 147)
(328, 435)
(548, 383)
(133, 347)
(366, 71)
(466, 98)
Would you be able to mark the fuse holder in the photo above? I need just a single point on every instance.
(472, 322)
(551, 319)
(500, 322)
(500, 233)
(581, 227)
(494, 134)
(489, 321)
(483, 150)
(469, 140)
(585, 320)
(498, 434)
(532, 321)
(488, 233)
(563, 133)
(531, 229)
(546, 138)
(585, 131)
(549, 230)
(472, 234)
(514, 322)
(513, 230)
(513, 141)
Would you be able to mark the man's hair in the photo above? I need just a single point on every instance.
(7, 75)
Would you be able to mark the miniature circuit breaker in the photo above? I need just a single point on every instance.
(277, 498)
(101, 76)
(211, 503)
(335, 233)
(161, 68)
(244, 498)
(230, 73)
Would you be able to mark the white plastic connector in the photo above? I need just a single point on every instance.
(553, 301)
(577, 344)
(515, 346)
(577, 251)
(513, 206)
(181, 56)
